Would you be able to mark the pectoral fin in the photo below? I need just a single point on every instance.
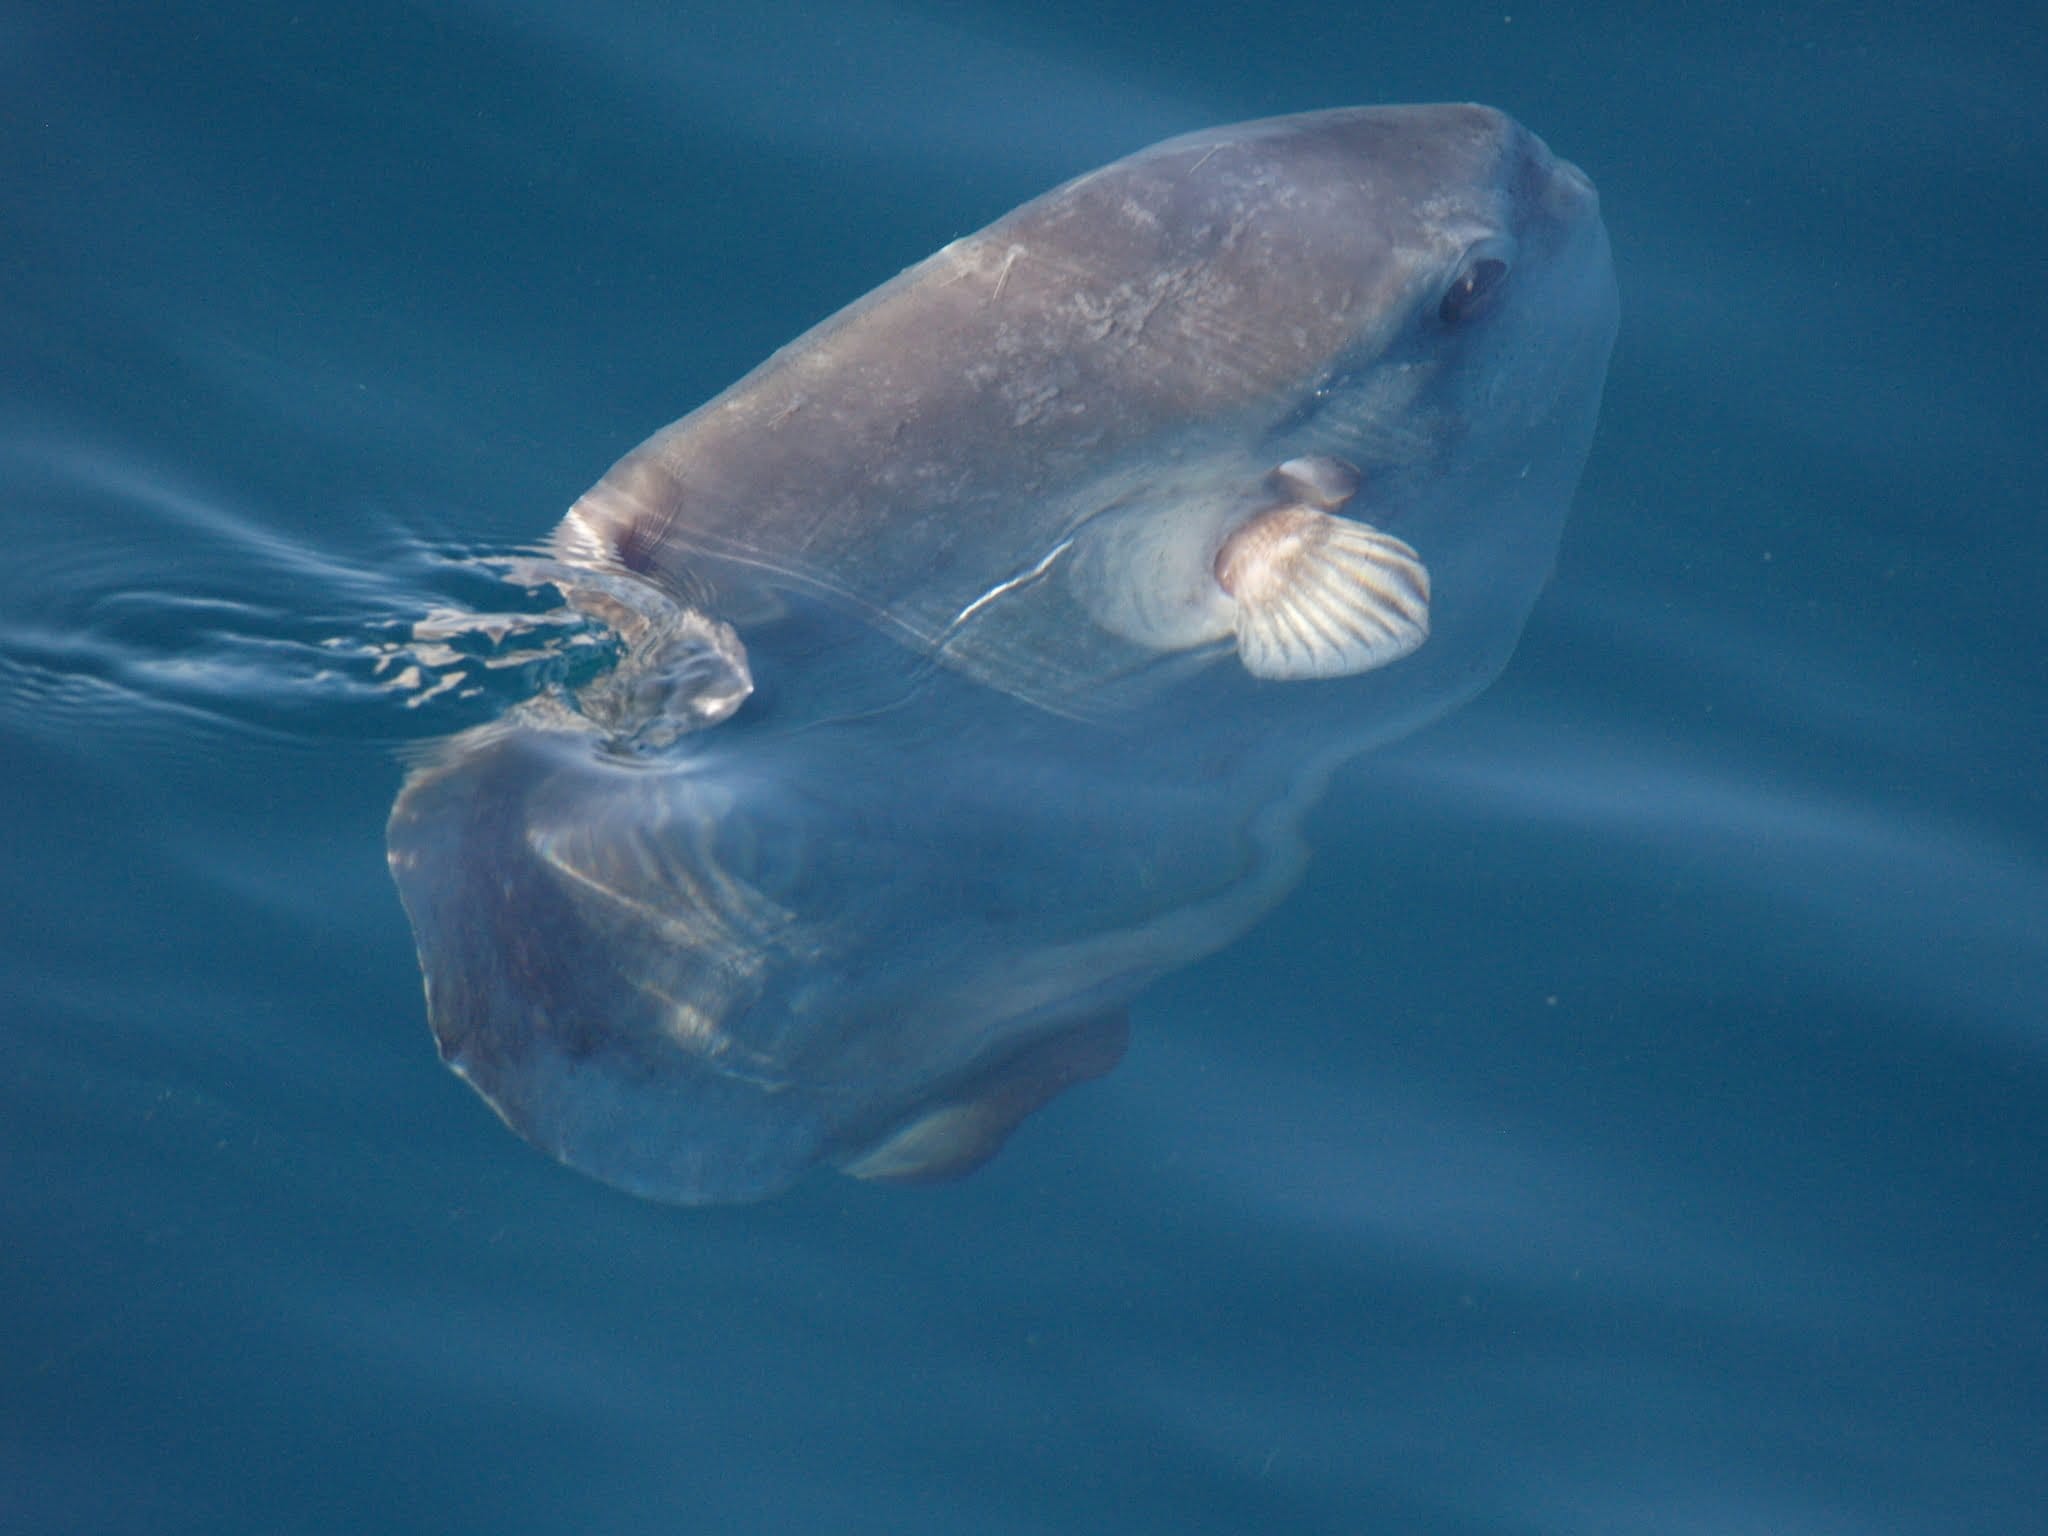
(1321, 596)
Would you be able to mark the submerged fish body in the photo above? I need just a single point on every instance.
(985, 645)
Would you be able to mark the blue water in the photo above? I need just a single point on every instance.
(1638, 1121)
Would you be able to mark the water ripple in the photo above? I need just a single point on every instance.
(148, 606)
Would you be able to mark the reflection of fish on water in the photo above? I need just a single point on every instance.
(984, 646)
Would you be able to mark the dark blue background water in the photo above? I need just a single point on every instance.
(1636, 1124)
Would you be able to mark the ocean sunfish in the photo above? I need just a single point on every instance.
(983, 648)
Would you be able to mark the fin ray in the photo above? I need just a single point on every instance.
(1322, 596)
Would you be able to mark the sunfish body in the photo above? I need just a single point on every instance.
(985, 645)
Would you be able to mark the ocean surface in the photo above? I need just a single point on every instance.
(1636, 1122)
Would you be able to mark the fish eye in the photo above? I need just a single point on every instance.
(1472, 291)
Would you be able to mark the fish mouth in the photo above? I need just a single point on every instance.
(1572, 187)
